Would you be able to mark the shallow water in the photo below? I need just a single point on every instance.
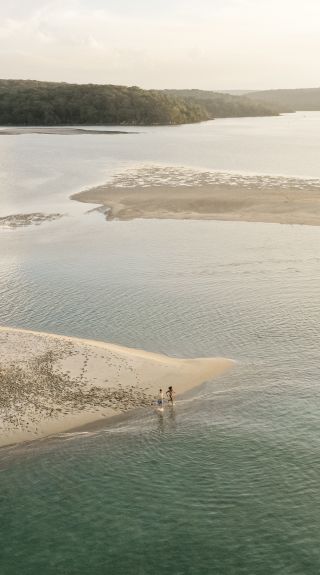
(227, 482)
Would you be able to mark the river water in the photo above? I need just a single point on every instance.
(226, 483)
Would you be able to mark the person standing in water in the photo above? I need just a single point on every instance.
(160, 398)
(170, 394)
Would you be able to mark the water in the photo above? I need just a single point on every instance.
(228, 481)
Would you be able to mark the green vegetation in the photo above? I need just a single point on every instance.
(290, 100)
(31, 103)
(220, 105)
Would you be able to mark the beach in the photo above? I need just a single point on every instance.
(51, 383)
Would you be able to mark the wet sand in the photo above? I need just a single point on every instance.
(20, 220)
(51, 383)
(178, 193)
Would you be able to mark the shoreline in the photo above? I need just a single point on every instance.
(53, 383)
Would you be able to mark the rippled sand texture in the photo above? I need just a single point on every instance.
(51, 383)
(180, 193)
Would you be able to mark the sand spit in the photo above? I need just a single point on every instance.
(51, 383)
(20, 220)
(180, 193)
(59, 131)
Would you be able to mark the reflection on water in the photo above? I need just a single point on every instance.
(167, 421)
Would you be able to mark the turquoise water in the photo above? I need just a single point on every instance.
(230, 486)
(174, 496)
(225, 483)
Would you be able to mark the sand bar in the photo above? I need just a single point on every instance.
(51, 383)
(59, 131)
(178, 193)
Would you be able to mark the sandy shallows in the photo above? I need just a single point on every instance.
(50, 383)
(180, 193)
(20, 220)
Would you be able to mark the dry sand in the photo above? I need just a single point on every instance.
(51, 383)
(251, 200)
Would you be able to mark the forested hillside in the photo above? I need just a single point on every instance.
(32, 103)
(27, 102)
(290, 100)
(220, 105)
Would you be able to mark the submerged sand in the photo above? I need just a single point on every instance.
(50, 383)
(173, 193)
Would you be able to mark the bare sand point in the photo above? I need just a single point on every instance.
(50, 383)
(210, 201)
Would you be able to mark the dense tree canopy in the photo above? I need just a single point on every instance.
(220, 105)
(32, 103)
(27, 102)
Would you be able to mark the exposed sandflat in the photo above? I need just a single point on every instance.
(208, 202)
(50, 383)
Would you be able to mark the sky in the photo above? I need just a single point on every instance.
(207, 44)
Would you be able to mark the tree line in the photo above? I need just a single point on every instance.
(33, 103)
(27, 102)
(223, 105)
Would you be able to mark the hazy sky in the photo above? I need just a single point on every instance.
(211, 44)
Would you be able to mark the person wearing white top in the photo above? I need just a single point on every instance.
(160, 398)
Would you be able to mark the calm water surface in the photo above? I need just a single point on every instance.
(228, 482)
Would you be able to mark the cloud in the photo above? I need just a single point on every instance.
(212, 44)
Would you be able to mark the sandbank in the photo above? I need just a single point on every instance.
(59, 130)
(174, 193)
(51, 383)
